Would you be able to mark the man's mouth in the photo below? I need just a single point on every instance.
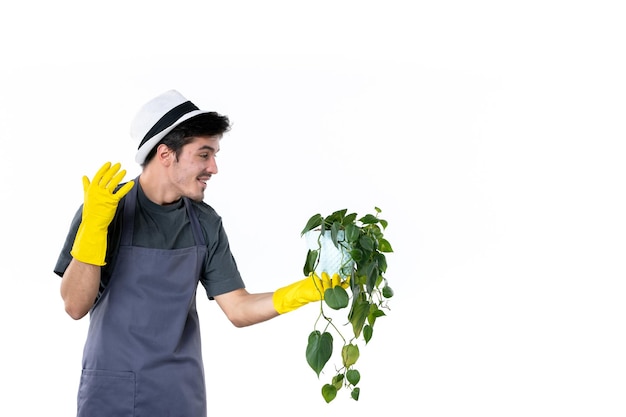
(204, 179)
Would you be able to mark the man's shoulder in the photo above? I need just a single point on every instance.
(205, 211)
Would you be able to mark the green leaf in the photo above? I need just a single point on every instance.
(352, 232)
(382, 262)
(354, 285)
(355, 393)
(372, 275)
(369, 219)
(318, 350)
(356, 255)
(353, 376)
(367, 243)
(338, 381)
(337, 216)
(384, 245)
(349, 355)
(336, 298)
(379, 280)
(387, 291)
(349, 219)
(309, 265)
(313, 222)
(329, 392)
(358, 315)
(375, 312)
(334, 233)
(368, 331)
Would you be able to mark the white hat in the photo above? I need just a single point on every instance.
(157, 118)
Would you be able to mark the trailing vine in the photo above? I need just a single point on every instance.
(362, 247)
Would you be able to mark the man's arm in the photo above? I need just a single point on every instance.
(81, 279)
(244, 309)
(79, 288)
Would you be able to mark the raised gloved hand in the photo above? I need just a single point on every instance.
(99, 208)
(305, 291)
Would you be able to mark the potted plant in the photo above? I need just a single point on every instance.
(353, 249)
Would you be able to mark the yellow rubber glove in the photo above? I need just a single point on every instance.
(305, 291)
(90, 244)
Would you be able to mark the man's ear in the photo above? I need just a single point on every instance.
(165, 155)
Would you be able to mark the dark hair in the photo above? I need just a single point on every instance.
(205, 124)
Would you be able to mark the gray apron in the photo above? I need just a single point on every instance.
(142, 357)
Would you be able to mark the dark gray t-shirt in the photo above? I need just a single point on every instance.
(167, 227)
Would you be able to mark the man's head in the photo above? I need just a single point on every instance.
(166, 113)
(177, 147)
(205, 124)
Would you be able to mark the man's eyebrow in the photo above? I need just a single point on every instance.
(211, 148)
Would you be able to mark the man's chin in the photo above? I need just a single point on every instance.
(196, 196)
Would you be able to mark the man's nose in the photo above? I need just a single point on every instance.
(212, 168)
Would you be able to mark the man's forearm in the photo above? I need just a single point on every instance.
(79, 288)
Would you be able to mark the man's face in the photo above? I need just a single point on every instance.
(195, 166)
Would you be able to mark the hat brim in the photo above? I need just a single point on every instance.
(145, 149)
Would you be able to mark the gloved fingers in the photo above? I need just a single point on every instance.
(86, 183)
(346, 283)
(326, 282)
(108, 179)
(101, 172)
(125, 189)
(116, 180)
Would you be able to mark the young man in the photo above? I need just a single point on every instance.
(133, 259)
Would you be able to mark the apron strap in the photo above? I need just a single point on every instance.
(128, 219)
(195, 223)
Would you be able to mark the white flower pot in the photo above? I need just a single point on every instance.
(332, 260)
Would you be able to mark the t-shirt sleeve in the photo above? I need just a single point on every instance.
(221, 274)
(65, 257)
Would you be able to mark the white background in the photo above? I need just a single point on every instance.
(491, 134)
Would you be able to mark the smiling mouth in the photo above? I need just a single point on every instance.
(204, 180)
